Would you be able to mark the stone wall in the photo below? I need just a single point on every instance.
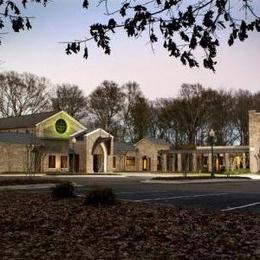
(57, 168)
(254, 140)
(121, 164)
(13, 158)
(80, 149)
(149, 150)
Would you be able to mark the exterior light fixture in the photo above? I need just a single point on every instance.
(212, 138)
(74, 140)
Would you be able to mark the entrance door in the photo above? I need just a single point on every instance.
(145, 162)
(98, 163)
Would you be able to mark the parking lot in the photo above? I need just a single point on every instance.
(237, 196)
(241, 196)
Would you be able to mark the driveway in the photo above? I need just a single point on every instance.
(236, 196)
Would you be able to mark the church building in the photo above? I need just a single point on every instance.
(56, 142)
(52, 142)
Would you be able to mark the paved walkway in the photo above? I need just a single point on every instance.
(28, 187)
(130, 174)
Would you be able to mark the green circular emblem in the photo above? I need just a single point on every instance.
(61, 126)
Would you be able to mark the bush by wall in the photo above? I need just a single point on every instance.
(100, 196)
(63, 190)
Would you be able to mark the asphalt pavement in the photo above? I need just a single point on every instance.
(236, 196)
(241, 196)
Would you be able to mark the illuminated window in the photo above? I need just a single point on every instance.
(63, 162)
(114, 162)
(52, 161)
(130, 161)
(61, 126)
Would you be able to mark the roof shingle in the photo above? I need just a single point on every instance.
(19, 138)
(123, 148)
(26, 121)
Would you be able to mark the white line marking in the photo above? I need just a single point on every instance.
(183, 197)
(142, 192)
(242, 206)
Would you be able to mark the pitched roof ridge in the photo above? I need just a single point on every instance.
(32, 114)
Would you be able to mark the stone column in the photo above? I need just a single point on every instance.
(179, 162)
(244, 160)
(227, 163)
(153, 166)
(194, 162)
(173, 162)
(209, 162)
(164, 162)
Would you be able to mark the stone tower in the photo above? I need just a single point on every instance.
(254, 140)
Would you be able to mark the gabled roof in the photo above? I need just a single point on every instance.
(123, 148)
(80, 134)
(19, 138)
(154, 141)
(25, 121)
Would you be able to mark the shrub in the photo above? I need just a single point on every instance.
(100, 196)
(63, 190)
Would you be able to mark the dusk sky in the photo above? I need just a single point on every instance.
(38, 51)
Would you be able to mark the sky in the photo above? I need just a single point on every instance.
(40, 52)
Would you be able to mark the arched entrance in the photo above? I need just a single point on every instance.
(99, 154)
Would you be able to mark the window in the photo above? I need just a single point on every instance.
(52, 161)
(61, 126)
(130, 161)
(114, 162)
(63, 161)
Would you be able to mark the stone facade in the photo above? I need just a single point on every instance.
(95, 151)
(149, 150)
(145, 157)
(126, 162)
(13, 158)
(50, 143)
(254, 140)
(90, 141)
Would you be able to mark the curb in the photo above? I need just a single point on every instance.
(195, 181)
(32, 186)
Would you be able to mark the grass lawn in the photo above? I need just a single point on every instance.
(35, 226)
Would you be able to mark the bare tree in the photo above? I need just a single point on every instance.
(140, 118)
(243, 102)
(70, 99)
(22, 94)
(131, 92)
(104, 105)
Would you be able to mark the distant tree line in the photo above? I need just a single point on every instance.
(126, 113)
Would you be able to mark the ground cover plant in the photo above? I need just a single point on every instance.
(63, 190)
(100, 196)
(35, 226)
(6, 181)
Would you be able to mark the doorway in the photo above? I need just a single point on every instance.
(98, 163)
(145, 163)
